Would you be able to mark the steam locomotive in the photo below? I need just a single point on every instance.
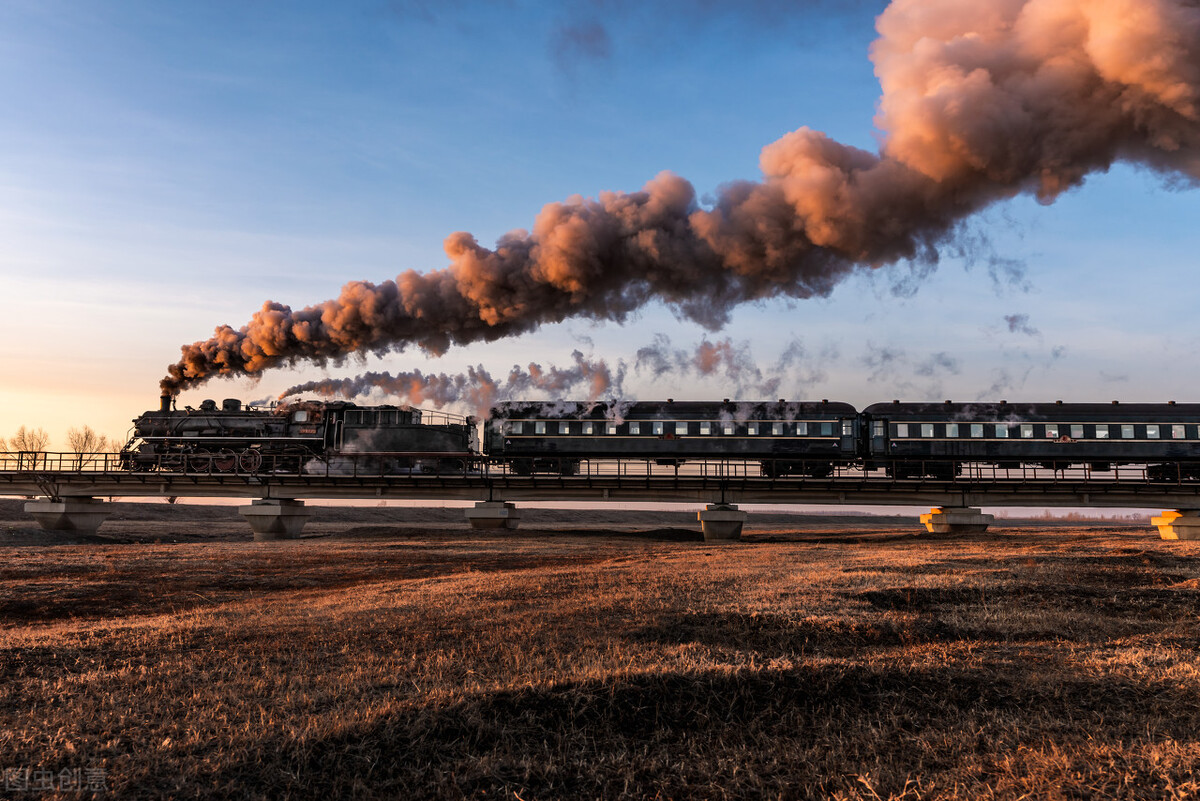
(906, 440)
(306, 436)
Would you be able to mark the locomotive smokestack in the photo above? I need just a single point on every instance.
(164, 403)
(981, 101)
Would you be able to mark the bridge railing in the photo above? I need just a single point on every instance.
(47, 462)
(252, 463)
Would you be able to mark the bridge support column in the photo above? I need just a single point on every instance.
(721, 521)
(494, 514)
(80, 515)
(1183, 524)
(956, 520)
(273, 519)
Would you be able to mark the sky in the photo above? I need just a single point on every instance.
(168, 167)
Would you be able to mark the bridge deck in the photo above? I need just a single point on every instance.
(631, 480)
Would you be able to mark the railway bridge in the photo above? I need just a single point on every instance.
(66, 492)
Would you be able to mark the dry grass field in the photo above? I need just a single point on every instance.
(583, 658)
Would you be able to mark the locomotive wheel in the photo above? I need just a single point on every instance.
(199, 463)
(225, 461)
(249, 461)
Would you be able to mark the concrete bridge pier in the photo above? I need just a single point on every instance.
(721, 522)
(275, 519)
(494, 514)
(1178, 524)
(77, 515)
(956, 520)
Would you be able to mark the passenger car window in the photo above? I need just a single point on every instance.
(1051, 432)
(777, 429)
(564, 428)
(658, 428)
(901, 429)
(1026, 431)
(610, 428)
(589, 428)
(976, 429)
(1001, 430)
(516, 426)
(802, 429)
(539, 427)
(1102, 432)
(1178, 432)
(926, 429)
(681, 429)
(1126, 431)
(877, 428)
(706, 428)
(1152, 432)
(728, 429)
(635, 428)
(1076, 431)
(951, 429)
(752, 429)
(826, 429)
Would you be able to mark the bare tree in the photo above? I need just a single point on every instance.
(86, 440)
(29, 439)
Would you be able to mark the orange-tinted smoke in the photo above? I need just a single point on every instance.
(981, 101)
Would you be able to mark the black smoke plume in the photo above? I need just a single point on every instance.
(981, 101)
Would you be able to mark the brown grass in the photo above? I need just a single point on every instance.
(1024, 664)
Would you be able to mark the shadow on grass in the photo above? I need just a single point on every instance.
(910, 616)
(771, 635)
(1102, 600)
(806, 732)
(156, 587)
(1126, 566)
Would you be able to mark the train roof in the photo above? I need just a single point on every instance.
(670, 409)
(1032, 411)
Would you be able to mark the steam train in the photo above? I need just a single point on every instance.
(906, 440)
(306, 436)
(785, 438)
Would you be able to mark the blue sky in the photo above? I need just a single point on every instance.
(166, 167)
